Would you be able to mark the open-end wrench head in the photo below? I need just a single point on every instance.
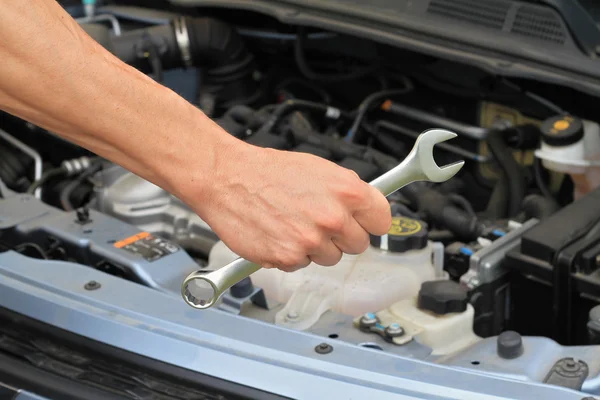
(425, 143)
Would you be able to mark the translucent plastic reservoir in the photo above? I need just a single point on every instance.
(358, 284)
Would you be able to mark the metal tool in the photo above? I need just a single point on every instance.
(419, 165)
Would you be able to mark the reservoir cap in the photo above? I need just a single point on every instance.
(562, 130)
(443, 297)
(405, 234)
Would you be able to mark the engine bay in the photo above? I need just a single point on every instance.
(492, 270)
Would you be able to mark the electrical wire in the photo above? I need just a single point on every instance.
(284, 36)
(151, 53)
(45, 178)
(289, 106)
(368, 102)
(65, 195)
(541, 100)
(22, 249)
(310, 85)
(462, 202)
(312, 75)
(539, 179)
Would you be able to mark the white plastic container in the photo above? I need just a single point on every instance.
(357, 284)
(580, 160)
(444, 334)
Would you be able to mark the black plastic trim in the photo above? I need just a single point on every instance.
(27, 377)
(554, 64)
(580, 23)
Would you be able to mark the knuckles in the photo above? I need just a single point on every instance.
(311, 241)
(330, 262)
(332, 222)
(363, 245)
(288, 261)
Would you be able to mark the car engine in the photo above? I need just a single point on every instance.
(501, 258)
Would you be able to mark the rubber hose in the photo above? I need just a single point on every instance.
(13, 169)
(212, 44)
(440, 209)
(288, 107)
(498, 202)
(540, 207)
(49, 174)
(513, 174)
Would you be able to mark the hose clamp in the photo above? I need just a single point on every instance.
(183, 41)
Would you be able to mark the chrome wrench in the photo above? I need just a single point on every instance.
(419, 165)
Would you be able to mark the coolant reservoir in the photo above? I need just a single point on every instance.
(440, 317)
(572, 146)
(390, 270)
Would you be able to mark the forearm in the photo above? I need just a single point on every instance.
(55, 76)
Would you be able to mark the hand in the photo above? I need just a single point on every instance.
(283, 210)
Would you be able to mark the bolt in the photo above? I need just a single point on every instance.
(83, 215)
(92, 285)
(292, 315)
(367, 320)
(571, 365)
(473, 282)
(394, 330)
(323, 348)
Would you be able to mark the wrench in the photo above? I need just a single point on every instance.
(419, 165)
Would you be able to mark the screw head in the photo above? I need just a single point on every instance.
(571, 365)
(394, 330)
(292, 315)
(92, 285)
(323, 348)
(368, 320)
(83, 214)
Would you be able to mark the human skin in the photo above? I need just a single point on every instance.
(278, 209)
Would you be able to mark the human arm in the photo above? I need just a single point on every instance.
(275, 208)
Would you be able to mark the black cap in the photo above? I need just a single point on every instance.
(562, 130)
(443, 297)
(242, 289)
(404, 235)
(509, 345)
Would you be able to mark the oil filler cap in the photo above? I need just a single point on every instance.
(443, 297)
(562, 130)
(405, 234)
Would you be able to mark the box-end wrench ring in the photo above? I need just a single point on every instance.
(419, 165)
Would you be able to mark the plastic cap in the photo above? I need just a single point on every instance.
(243, 288)
(405, 234)
(509, 345)
(443, 297)
(562, 130)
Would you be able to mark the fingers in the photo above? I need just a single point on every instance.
(376, 216)
(328, 255)
(354, 239)
(289, 267)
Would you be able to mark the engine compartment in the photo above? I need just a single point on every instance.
(502, 258)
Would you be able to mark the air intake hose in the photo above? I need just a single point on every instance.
(185, 42)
